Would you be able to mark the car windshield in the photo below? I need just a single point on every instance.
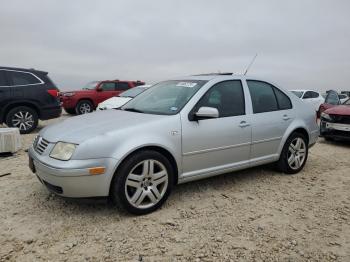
(165, 98)
(298, 93)
(90, 85)
(132, 92)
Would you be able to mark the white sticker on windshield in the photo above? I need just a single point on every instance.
(186, 84)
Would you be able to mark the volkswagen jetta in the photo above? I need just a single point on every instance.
(175, 132)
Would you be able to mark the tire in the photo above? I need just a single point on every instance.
(293, 156)
(84, 107)
(70, 111)
(138, 190)
(22, 117)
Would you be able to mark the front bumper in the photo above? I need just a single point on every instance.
(74, 182)
(335, 130)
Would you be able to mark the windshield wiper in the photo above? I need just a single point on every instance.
(133, 110)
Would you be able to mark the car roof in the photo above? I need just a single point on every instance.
(210, 76)
(23, 69)
(304, 90)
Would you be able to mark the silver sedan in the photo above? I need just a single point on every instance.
(178, 131)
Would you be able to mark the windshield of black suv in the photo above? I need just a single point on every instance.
(298, 93)
(132, 92)
(165, 98)
(91, 85)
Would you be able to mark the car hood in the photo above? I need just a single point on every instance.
(79, 92)
(101, 123)
(339, 110)
(114, 102)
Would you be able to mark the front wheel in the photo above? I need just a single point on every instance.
(84, 107)
(294, 154)
(143, 182)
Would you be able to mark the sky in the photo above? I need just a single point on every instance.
(301, 44)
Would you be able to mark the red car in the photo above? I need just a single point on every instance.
(86, 100)
(331, 100)
(335, 121)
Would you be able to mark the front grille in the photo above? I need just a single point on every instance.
(341, 119)
(40, 144)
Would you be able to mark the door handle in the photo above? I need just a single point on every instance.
(244, 124)
(286, 117)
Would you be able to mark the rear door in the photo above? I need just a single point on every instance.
(272, 114)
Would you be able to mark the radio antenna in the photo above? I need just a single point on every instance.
(251, 63)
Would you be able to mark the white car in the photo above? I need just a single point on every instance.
(122, 99)
(343, 98)
(314, 98)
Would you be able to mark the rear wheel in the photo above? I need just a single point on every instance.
(294, 154)
(22, 117)
(143, 182)
(84, 107)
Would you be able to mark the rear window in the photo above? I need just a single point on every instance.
(22, 78)
(122, 86)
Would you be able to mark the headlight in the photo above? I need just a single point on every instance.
(325, 116)
(62, 151)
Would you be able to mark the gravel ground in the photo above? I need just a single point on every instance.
(252, 215)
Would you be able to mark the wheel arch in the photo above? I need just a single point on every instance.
(156, 148)
(88, 99)
(11, 106)
(295, 129)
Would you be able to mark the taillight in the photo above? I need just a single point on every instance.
(53, 92)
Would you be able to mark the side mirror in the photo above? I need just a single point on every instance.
(99, 89)
(206, 113)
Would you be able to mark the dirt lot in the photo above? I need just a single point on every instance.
(253, 215)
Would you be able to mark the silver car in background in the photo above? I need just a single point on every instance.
(175, 132)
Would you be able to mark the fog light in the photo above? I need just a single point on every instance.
(97, 170)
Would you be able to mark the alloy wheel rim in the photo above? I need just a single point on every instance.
(85, 108)
(23, 120)
(296, 153)
(146, 184)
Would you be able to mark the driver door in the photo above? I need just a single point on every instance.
(106, 91)
(213, 146)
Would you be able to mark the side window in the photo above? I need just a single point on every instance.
(22, 78)
(108, 86)
(263, 97)
(3, 81)
(283, 100)
(307, 95)
(122, 86)
(314, 94)
(227, 97)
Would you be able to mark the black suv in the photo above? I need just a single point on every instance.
(27, 95)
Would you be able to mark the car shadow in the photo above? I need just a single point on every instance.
(104, 206)
(342, 143)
